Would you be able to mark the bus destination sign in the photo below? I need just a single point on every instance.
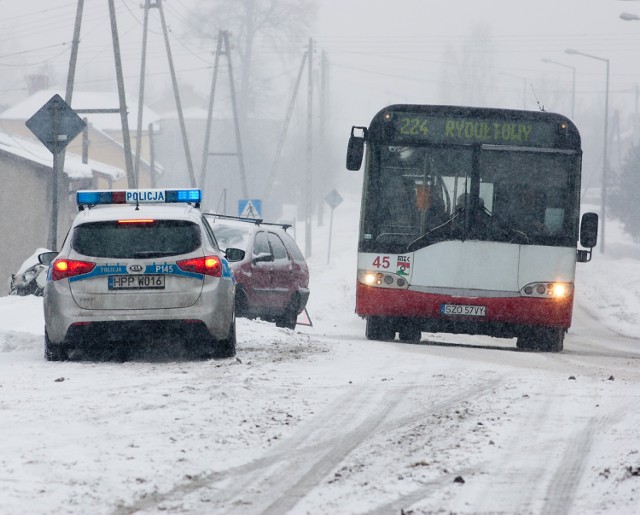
(455, 129)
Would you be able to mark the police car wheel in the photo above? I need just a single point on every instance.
(53, 352)
(227, 348)
(241, 303)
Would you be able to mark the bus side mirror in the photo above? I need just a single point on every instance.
(589, 230)
(588, 236)
(355, 149)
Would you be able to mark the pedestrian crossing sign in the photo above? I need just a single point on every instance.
(250, 208)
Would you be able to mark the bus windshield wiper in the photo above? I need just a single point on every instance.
(425, 237)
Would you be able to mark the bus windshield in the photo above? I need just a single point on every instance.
(418, 195)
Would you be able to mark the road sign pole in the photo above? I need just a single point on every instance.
(55, 124)
(330, 234)
(53, 229)
(334, 199)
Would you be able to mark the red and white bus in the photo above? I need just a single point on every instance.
(470, 220)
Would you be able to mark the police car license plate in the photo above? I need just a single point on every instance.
(136, 282)
(463, 309)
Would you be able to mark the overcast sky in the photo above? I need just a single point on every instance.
(410, 40)
(380, 52)
(387, 49)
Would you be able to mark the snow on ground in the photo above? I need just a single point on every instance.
(153, 434)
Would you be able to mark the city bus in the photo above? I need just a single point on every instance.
(469, 224)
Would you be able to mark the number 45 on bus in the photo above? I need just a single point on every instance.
(470, 221)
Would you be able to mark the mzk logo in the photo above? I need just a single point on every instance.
(403, 265)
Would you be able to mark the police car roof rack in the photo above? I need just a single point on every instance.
(256, 221)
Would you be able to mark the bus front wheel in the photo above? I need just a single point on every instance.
(409, 331)
(379, 328)
(545, 339)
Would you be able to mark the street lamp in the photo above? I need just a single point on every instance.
(573, 86)
(605, 163)
(632, 17)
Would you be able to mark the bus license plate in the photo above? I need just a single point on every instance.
(136, 282)
(463, 310)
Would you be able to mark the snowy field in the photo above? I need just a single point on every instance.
(321, 421)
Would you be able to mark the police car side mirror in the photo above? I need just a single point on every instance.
(46, 258)
(233, 254)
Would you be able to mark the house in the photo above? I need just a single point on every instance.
(101, 140)
(25, 197)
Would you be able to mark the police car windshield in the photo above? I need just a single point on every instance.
(136, 240)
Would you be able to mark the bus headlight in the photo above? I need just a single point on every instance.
(547, 290)
(382, 279)
(369, 278)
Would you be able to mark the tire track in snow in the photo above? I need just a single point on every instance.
(276, 482)
(375, 424)
(226, 487)
(564, 483)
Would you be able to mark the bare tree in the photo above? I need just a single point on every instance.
(278, 25)
(467, 75)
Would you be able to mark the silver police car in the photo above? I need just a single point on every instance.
(139, 265)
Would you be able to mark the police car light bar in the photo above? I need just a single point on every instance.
(146, 196)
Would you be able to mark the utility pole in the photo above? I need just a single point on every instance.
(174, 81)
(152, 158)
(122, 109)
(126, 137)
(322, 136)
(309, 182)
(324, 100)
(58, 158)
(143, 63)
(74, 52)
(285, 128)
(222, 48)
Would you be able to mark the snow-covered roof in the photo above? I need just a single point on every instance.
(73, 165)
(84, 100)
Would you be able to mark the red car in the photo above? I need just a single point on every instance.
(273, 278)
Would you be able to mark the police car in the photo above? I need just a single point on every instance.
(139, 265)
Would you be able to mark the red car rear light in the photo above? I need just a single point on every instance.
(62, 268)
(208, 265)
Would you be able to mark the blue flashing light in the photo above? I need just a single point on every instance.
(140, 196)
(189, 195)
(91, 198)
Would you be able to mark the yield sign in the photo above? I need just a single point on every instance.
(55, 124)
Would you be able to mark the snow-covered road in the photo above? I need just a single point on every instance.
(322, 421)
(305, 423)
